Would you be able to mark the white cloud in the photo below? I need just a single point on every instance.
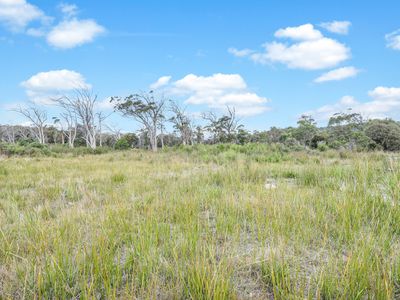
(69, 33)
(73, 33)
(384, 103)
(338, 74)
(44, 86)
(105, 104)
(310, 50)
(240, 53)
(69, 10)
(385, 93)
(339, 27)
(17, 14)
(393, 40)
(304, 32)
(162, 81)
(216, 82)
(36, 32)
(218, 91)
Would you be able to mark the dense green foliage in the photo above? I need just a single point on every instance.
(346, 131)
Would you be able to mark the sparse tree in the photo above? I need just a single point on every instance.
(82, 106)
(182, 123)
(8, 134)
(144, 108)
(101, 117)
(38, 119)
(115, 132)
(223, 129)
(199, 134)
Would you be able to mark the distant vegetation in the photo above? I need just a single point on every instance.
(80, 125)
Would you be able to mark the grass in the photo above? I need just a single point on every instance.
(198, 223)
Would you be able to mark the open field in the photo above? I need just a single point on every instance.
(209, 222)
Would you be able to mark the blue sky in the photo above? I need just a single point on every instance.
(272, 60)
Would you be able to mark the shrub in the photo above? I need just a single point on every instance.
(322, 147)
(384, 133)
(118, 178)
(122, 144)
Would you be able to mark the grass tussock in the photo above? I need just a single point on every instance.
(199, 223)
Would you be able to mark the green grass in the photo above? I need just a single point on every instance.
(198, 223)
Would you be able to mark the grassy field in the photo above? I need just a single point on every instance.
(210, 222)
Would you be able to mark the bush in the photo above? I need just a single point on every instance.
(26, 149)
(118, 178)
(122, 144)
(384, 133)
(35, 149)
(322, 147)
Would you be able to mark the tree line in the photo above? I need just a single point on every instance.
(80, 124)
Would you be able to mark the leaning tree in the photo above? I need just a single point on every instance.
(146, 108)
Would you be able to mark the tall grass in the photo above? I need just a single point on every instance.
(199, 223)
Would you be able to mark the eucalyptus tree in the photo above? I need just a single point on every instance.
(68, 124)
(346, 129)
(306, 130)
(224, 128)
(146, 108)
(8, 133)
(182, 123)
(80, 108)
(37, 119)
(385, 133)
(101, 117)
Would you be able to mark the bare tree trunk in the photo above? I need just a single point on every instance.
(162, 138)
(153, 140)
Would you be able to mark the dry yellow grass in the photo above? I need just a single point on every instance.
(200, 223)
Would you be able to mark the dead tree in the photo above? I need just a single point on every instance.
(82, 106)
(101, 118)
(38, 119)
(69, 126)
(116, 133)
(8, 134)
(182, 123)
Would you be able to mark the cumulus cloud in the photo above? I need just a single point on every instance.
(73, 33)
(162, 81)
(42, 87)
(310, 50)
(218, 91)
(68, 33)
(339, 27)
(393, 40)
(338, 74)
(304, 32)
(384, 103)
(17, 14)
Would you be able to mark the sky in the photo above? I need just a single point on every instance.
(272, 60)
